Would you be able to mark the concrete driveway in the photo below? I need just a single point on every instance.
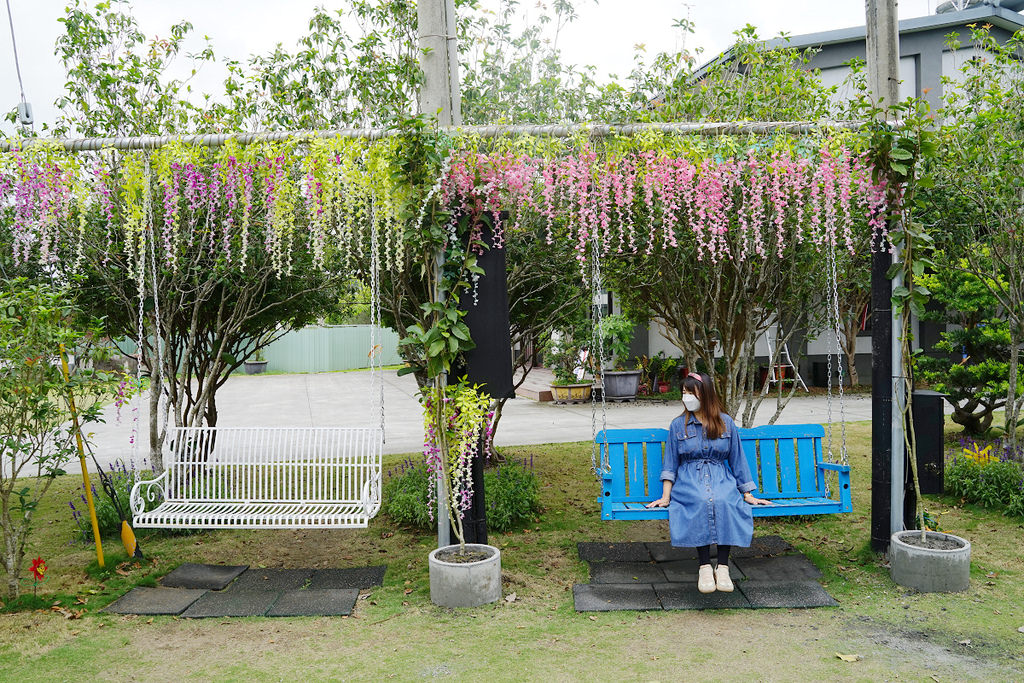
(346, 399)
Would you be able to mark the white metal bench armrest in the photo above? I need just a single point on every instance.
(153, 488)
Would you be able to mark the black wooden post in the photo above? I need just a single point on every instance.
(489, 363)
(881, 394)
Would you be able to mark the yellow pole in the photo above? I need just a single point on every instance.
(81, 457)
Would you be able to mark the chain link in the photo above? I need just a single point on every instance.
(836, 334)
(376, 337)
(597, 350)
(150, 237)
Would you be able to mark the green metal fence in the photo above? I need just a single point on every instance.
(327, 349)
(321, 349)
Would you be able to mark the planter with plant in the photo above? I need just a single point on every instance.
(564, 355)
(619, 383)
(924, 559)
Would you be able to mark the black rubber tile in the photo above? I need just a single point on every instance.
(232, 604)
(783, 568)
(764, 546)
(609, 597)
(152, 601)
(358, 577)
(786, 594)
(685, 571)
(613, 552)
(315, 603)
(208, 576)
(665, 552)
(270, 580)
(626, 572)
(686, 596)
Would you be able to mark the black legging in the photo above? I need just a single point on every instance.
(704, 554)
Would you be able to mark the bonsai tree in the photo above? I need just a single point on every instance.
(973, 367)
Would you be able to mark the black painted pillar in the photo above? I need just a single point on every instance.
(489, 363)
(881, 394)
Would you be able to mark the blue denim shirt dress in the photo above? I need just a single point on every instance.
(709, 479)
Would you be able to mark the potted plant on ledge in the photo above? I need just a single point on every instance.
(619, 384)
(257, 364)
(565, 358)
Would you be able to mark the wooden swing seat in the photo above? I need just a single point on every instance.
(265, 478)
(785, 461)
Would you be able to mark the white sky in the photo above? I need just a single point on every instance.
(605, 34)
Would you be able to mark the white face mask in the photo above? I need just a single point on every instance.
(691, 402)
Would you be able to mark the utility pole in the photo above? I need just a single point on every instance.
(440, 95)
(439, 98)
(887, 390)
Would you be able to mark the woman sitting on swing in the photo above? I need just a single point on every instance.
(708, 500)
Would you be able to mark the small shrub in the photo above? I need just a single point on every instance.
(512, 491)
(123, 477)
(513, 495)
(989, 476)
(405, 497)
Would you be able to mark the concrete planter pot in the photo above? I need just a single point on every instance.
(930, 570)
(255, 367)
(571, 393)
(621, 385)
(465, 584)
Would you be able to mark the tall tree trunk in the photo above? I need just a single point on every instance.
(1012, 400)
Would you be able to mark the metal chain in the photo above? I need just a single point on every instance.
(376, 336)
(597, 348)
(836, 333)
(158, 331)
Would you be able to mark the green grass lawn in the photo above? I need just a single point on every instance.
(396, 632)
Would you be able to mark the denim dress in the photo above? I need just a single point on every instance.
(709, 479)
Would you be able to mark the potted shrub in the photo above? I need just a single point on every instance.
(620, 384)
(457, 420)
(257, 364)
(669, 367)
(565, 357)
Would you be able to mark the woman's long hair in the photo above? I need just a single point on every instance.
(702, 387)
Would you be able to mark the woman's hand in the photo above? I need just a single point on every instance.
(660, 503)
(749, 498)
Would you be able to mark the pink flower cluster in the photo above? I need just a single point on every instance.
(642, 201)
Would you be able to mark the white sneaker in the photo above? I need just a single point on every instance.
(706, 579)
(722, 580)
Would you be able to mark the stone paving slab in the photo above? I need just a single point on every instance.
(783, 568)
(613, 552)
(356, 577)
(686, 596)
(328, 602)
(232, 604)
(609, 597)
(763, 546)
(207, 576)
(626, 572)
(786, 594)
(270, 580)
(153, 601)
(664, 552)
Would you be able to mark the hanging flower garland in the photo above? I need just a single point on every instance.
(727, 199)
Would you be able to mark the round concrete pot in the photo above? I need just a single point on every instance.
(255, 367)
(930, 570)
(465, 584)
(621, 385)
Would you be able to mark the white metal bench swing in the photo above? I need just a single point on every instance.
(272, 477)
(791, 465)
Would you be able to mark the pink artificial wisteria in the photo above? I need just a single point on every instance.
(642, 201)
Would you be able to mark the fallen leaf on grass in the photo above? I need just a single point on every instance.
(81, 601)
(68, 613)
(593, 618)
(848, 658)
(965, 642)
(992, 575)
(1020, 630)
(407, 591)
(511, 597)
